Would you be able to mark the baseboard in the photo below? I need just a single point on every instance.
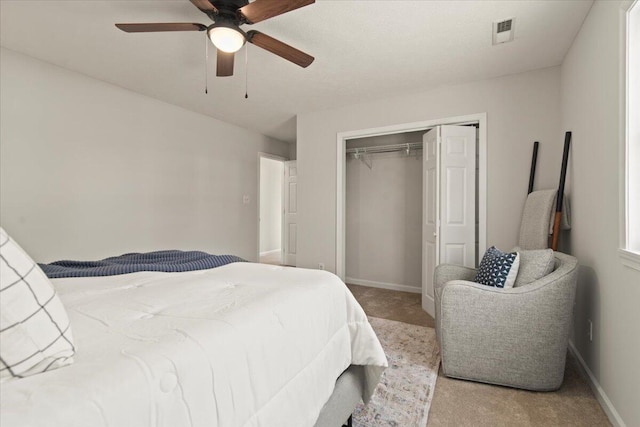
(602, 397)
(275, 251)
(429, 305)
(383, 285)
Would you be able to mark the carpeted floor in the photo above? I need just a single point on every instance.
(404, 394)
(466, 403)
(274, 258)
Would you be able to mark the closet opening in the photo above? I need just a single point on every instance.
(383, 204)
(409, 198)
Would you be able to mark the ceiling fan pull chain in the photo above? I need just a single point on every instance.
(206, 65)
(246, 72)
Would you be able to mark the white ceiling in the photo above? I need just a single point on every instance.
(364, 50)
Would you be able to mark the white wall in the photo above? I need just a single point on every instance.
(520, 109)
(608, 292)
(90, 170)
(271, 176)
(383, 220)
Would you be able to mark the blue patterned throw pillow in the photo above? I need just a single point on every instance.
(498, 269)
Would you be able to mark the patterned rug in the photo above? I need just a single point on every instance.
(404, 394)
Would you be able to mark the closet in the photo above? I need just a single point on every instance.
(410, 204)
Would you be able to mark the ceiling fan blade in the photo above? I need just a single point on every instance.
(281, 49)
(204, 5)
(151, 28)
(259, 10)
(224, 64)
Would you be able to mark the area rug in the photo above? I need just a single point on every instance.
(404, 394)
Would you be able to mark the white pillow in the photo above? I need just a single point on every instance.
(35, 335)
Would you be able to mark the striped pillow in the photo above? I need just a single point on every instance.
(35, 335)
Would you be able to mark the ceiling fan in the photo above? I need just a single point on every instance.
(225, 32)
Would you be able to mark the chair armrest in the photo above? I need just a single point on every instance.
(445, 273)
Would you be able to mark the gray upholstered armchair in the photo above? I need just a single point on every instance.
(514, 337)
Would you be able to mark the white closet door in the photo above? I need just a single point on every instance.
(458, 195)
(430, 217)
(449, 203)
(290, 212)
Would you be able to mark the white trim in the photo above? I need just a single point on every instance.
(602, 397)
(629, 258)
(262, 155)
(383, 285)
(430, 306)
(341, 137)
(271, 252)
(341, 239)
(622, 124)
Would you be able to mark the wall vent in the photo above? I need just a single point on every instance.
(503, 30)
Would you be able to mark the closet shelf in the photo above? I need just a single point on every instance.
(407, 148)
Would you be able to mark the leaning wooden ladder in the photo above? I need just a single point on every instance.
(559, 199)
(555, 236)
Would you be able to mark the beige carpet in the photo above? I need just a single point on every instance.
(404, 394)
(461, 403)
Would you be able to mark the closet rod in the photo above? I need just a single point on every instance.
(412, 146)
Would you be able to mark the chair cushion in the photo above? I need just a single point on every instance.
(534, 265)
(498, 269)
(35, 335)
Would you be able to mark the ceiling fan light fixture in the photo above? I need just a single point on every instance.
(226, 37)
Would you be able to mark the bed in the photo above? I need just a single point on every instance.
(243, 344)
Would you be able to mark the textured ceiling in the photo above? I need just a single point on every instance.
(364, 50)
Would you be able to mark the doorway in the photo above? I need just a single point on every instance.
(478, 241)
(271, 209)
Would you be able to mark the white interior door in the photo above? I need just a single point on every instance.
(290, 212)
(430, 217)
(458, 195)
(449, 201)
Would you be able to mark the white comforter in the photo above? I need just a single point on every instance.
(239, 345)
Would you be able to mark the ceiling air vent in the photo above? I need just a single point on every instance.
(503, 30)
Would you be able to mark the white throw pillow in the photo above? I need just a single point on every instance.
(35, 335)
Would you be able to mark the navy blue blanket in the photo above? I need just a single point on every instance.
(165, 261)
